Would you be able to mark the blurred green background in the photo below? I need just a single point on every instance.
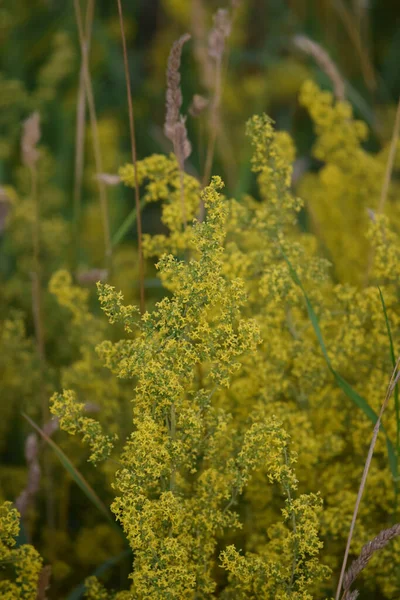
(40, 63)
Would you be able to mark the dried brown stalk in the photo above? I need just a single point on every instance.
(108, 178)
(198, 105)
(216, 46)
(93, 124)
(386, 182)
(200, 50)
(392, 384)
(80, 136)
(44, 583)
(350, 24)
(91, 276)
(175, 127)
(367, 551)
(391, 158)
(324, 61)
(134, 158)
(4, 208)
(30, 138)
(30, 155)
(25, 499)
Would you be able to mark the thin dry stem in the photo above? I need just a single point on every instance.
(30, 155)
(200, 50)
(386, 182)
(216, 47)
(391, 158)
(25, 499)
(80, 137)
(4, 208)
(392, 384)
(198, 105)
(175, 127)
(134, 158)
(44, 583)
(95, 134)
(324, 61)
(349, 22)
(367, 551)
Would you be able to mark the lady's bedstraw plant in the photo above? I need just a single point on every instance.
(228, 365)
(184, 466)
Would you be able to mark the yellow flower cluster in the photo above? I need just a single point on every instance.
(185, 465)
(24, 561)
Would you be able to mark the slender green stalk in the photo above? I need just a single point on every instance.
(392, 384)
(134, 157)
(37, 309)
(386, 181)
(213, 123)
(94, 127)
(80, 142)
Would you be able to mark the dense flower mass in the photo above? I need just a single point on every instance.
(232, 447)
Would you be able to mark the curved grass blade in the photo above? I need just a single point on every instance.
(393, 358)
(77, 477)
(341, 382)
(128, 223)
(79, 591)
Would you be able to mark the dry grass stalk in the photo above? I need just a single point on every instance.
(26, 497)
(200, 49)
(5, 204)
(173, 119)
(386, 183)
(349, 21)
(219, 33)
(198, 105)
(216, 47)
(367, 551)
(324, 61)
(391, 158)
(175, 127)
(91, 276)
(44, 583)
(30, 138)
(108, 178)
(392, 384)
(80, 136)
(94, 128)
(134, 158)
(30, 155)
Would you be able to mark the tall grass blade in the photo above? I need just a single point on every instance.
(393, 358)
(341, 382)
(76, 476)
(126, 225)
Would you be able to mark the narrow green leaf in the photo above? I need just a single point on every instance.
(79, 591)
(128, 223)
(393, 358)
(341, 382)
(76, 476)
(389, 331)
